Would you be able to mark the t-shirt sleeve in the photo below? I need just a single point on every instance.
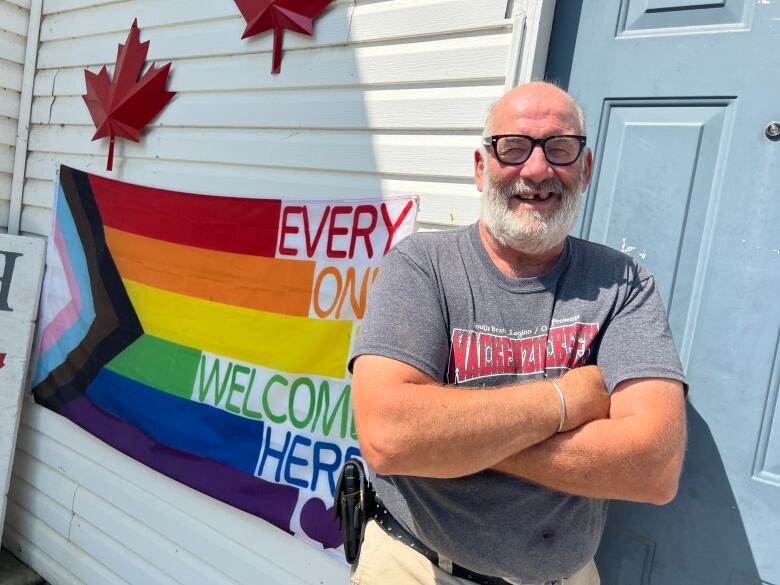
(404, 318)
(637, 342)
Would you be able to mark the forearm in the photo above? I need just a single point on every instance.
(409, 425)
(609, 459)
(444, 431)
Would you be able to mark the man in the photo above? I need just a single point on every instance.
(508, 379)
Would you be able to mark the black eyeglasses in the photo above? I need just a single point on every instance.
(515, 149)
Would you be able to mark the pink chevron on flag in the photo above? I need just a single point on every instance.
(69, 313)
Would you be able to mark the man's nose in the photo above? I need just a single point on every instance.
(536, 168)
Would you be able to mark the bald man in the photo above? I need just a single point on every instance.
(510, 379)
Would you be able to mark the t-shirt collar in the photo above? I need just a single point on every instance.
(535, 283)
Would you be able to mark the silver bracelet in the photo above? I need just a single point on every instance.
(563, 404)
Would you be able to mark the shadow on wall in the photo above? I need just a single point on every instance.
(562, 41)
(701, 530)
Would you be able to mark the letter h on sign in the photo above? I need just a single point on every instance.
(5, 280)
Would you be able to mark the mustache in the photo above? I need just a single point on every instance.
(524, 187)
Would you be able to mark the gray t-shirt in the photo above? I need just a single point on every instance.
(442, 306)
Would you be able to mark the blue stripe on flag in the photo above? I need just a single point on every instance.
(198, 429)
(69, 340)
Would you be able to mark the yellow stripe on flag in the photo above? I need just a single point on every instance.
(288, 343)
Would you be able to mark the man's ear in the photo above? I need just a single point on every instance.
(479, 169)
(587, 172)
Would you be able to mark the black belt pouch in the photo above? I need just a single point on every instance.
(353, 506)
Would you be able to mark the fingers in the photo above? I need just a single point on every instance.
(586, 396)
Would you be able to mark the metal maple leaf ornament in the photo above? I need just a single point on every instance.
(295, 15)
(123, 107)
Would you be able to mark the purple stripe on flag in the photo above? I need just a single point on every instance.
(272, 502)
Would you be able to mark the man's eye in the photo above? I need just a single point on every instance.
(514, 151)
(559, 151)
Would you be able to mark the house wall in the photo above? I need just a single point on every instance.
(14, 16)
(387, 98)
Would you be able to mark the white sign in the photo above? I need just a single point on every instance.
(21, 273)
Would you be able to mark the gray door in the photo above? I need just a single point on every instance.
(677, 95)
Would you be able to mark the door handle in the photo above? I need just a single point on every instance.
(772, 131)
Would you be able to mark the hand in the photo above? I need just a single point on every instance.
(586, 396)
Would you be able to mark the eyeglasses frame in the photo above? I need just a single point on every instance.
(492, 141)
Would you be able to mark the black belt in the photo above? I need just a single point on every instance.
(392, 527)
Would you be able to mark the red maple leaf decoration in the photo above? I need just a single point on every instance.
(295, 15)
(123, 107)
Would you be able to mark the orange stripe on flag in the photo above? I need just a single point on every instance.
(255, 282)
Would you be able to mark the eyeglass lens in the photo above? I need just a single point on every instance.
(562, 150)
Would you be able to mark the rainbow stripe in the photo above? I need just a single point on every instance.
(276, 286)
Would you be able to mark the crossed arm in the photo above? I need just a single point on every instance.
(629, 447)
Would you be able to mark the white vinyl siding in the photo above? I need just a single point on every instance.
(388, 97)
(14, 17)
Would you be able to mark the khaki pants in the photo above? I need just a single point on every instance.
(385, 561)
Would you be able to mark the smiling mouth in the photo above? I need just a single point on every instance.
(535, 196)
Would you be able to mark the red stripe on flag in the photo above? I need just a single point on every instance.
(228, 224)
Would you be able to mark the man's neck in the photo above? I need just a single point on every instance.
(516, 263)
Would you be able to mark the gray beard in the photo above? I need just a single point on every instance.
(531, 232)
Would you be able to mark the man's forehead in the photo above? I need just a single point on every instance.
(544, 107)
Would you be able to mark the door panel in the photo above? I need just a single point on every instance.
(659, 160)
(654, 16)
(767, 466)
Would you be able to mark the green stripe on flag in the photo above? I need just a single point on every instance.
(163, 365)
